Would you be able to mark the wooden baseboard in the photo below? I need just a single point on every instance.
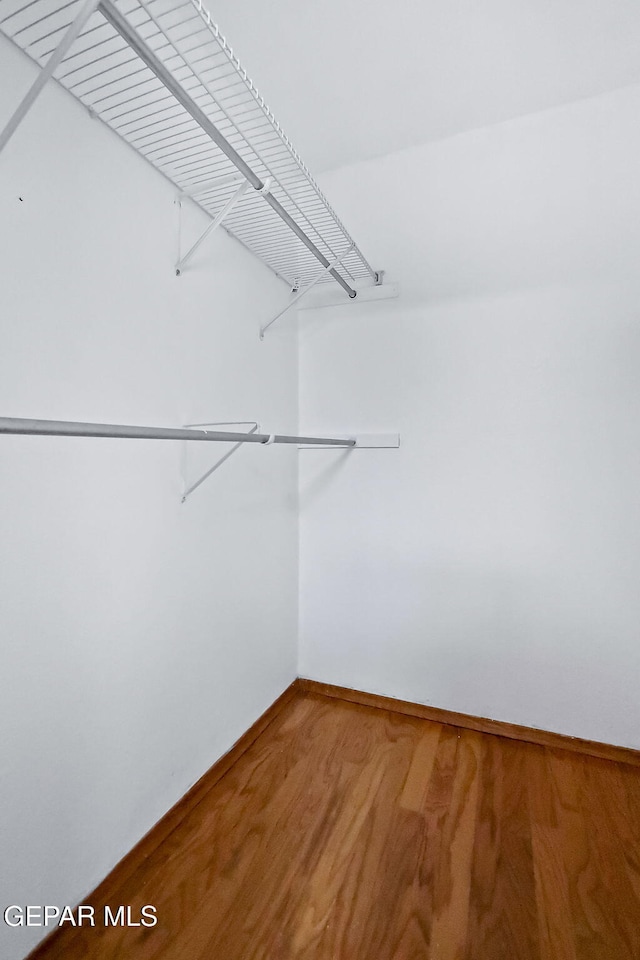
(499, 728)
(132, 861)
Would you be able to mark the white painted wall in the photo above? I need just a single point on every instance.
(406, 73)
(140, 637)
(491, 564)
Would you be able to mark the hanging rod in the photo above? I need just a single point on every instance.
(122, 26)
(72, 428)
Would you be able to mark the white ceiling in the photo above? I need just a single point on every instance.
(354, 79)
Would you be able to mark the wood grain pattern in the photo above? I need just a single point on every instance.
(347, 832)
(108, 891)
(512, 731)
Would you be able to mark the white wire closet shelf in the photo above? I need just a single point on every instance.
(159, 110)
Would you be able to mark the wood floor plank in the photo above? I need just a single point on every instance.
(348, 832)
(629, 814)
(555, 923)
(336, 908)
(415, 786)
(503, 919)
(449, 931)
(615, 841)
(408, 888)
(594, 877)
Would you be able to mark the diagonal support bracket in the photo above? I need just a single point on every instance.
(229, 205)
(189, 488)
(301, 293)
(54, 61)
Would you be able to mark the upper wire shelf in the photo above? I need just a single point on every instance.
(103, 71)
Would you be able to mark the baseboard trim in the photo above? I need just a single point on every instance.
(133, 860)
(500, 728)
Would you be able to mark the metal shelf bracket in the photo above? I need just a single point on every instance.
(188, 488)
(73, 32)
(229, 205)
(301, 293)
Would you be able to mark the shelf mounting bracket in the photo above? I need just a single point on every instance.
(73, 32)
(301, 293)
(229, 205)
(189, 488)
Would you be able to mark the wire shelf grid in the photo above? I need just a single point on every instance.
(109, 78)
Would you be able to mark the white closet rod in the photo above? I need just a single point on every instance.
(71, 428)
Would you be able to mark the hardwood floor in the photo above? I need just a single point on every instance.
(347, 832)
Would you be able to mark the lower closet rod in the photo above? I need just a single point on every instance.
(71, 428)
